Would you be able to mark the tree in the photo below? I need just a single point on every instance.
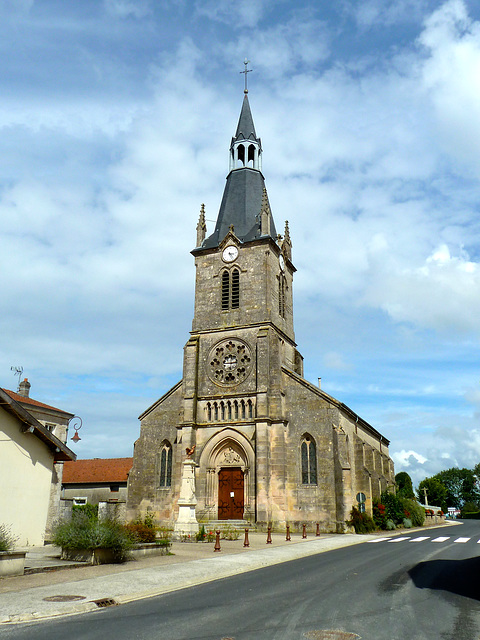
(461, 486)
(404, 485)
(436, 492)
(476, 471)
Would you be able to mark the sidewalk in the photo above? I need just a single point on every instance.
(75, 589)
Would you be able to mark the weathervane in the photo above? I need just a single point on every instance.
(17, 372)
(246, 62)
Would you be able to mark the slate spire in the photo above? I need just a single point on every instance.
(245, 190)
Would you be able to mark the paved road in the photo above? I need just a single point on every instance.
(424, 586)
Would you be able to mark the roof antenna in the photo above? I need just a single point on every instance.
(246, 62)
(17, 372)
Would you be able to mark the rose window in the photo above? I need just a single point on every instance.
(229, 362)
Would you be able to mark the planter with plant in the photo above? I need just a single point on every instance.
(12, 563)
(86, 538)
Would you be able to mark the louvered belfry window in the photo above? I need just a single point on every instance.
(281, 295)
(230, 289)
(235, 289)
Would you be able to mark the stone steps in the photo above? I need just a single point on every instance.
(236, 524)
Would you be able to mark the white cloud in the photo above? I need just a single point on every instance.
(443, 294)
(237, 13)
(388, 12)
(451, 77)
(276, 51)
(403, 458)
(362, 159)
(125, 8)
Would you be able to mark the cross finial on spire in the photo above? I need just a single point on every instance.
(246, 62)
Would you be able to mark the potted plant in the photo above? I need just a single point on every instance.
(85, 538)
(12, 563)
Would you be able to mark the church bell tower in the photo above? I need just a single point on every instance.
(266, 446)
(242, 330)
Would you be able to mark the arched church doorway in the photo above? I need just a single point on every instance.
(231, 493)
(227, 463)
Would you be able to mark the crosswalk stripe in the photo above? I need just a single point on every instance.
(383, 540)
(421, 539)
(399, 539)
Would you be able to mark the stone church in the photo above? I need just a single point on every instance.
(269, 446)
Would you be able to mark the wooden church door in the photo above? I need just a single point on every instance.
(230, 494)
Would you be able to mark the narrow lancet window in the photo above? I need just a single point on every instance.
(166, 465)
(309, 461)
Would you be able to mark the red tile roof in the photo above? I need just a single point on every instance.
(97, 470)
(23, 400)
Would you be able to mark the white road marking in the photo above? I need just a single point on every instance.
(400, 539)
(383, 540)
(441, 539)
(462, 540)
(421, 539)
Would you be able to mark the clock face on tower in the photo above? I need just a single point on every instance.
(229, 362)
(230, 253)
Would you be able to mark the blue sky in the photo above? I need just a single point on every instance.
(115, 123)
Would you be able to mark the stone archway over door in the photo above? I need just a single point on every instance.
(231, 495)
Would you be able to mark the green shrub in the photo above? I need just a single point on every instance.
(470, 507)
(394, 509)
(361, 522)
(83, 532)
(89, 510)
(139, 532)
(416, 512)
(390, 525)
(143, 529)
(379, 516)
(407, 523)
(470, 516)
(7, 539)
(201, 535)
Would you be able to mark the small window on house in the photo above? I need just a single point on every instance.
(309, 461)
(114, 488)
(79, 501)
(50, 427)
(166, 465)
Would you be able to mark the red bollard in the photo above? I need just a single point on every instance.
(246, 543)
(304, 534)
(217, 541)
(269, 535)
(318, 529)
(288, 533)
